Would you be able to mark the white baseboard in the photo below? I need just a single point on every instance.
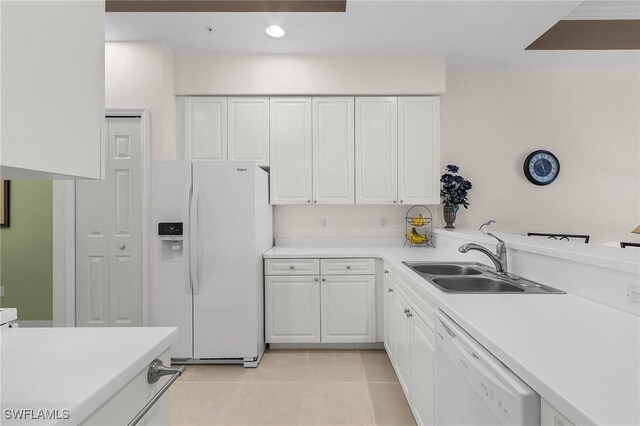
(31, 324)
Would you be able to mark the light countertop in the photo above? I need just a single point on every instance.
(581, 356)
(75, 369)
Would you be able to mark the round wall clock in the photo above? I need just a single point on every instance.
(541, 167)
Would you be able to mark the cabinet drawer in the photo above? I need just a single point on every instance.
(291, 267)
(348, 266)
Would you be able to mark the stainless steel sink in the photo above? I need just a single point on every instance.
(446, 269)
(475, 278)
(475, 285)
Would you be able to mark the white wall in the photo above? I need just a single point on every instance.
(140, 74)
(491, 120)
(319, 74)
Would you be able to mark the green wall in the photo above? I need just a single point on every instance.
(26, 267)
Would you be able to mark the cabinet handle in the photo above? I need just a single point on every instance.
(401, 201)
(390, 290)
(121, 246)
(348, 266)
(315, 279)
(324, 279)
(386, 271)
(308, 201)
(406, 311)
(292, 267)
(315, 201)
(394, 201)
(409, 314)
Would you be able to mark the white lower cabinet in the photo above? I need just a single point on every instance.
(127, 402)
(292, 309)
(401, 337)
(348, 308)
(412, 342)
(550, 416)
(423, 353)
(388, 311)
(313, 307)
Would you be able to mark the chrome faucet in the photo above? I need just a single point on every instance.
(499, 259)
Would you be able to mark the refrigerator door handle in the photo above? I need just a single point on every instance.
(187, 237)
(193, 241)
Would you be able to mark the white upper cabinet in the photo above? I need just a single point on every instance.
(333, 150)
(418, 150)
(52, 89)
(249, 130)
(290, 146)
(376, 150)
(205, 128)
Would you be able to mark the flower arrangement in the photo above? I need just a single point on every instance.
(455, 188)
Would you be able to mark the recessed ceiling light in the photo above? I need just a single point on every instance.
(275, 31)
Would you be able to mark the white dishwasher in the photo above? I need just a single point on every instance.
(473, 387)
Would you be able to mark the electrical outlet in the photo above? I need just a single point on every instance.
(383, 222)
(323, 222)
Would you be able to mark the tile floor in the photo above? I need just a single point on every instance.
(293, 388)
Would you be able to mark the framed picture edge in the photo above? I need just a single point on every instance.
(5, 203)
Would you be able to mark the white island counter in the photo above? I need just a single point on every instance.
(67, 375)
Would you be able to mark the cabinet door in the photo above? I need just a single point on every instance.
(401, 336)
(249, 129)
(205, 128)
(419, 150)
(348, 309)
(53, 89)
(290, 147)
(423, 352)
(292, 309)
(333, 150)
(376, 150)
(388, 312)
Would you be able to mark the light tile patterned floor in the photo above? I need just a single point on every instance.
(293, 388)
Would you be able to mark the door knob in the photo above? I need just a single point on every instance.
(121, 246)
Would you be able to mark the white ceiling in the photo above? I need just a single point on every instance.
(471, 34)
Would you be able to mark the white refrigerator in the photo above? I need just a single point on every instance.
(212, 223)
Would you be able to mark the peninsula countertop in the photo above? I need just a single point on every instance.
(74, 369)
(581, 356)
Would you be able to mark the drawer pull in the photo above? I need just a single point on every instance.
(292, 267)
(324, 279)
(315, 279)
(156, 370)
(348, 266)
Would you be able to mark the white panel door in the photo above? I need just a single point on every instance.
(248, 130)
(401, 337)
(348, 308)
(205, 128)
(109, 234)
(333, 150)
(290, 147)
(423, 355)
(292, 308)
(419, 150)
(376, 150)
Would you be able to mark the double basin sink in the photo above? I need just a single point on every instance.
(469, 277)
